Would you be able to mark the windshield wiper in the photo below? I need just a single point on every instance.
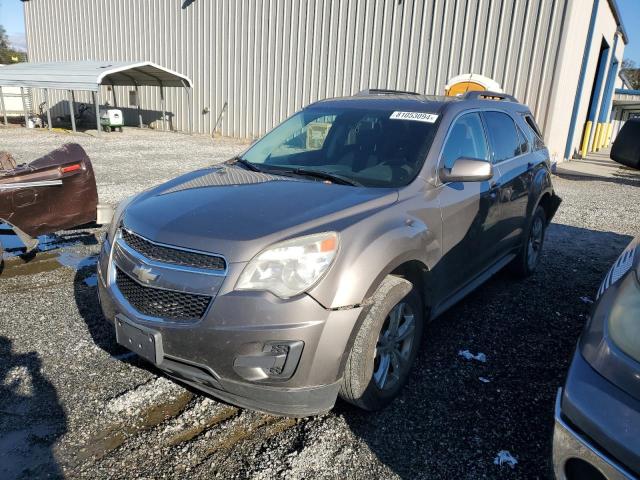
(332, 177)
(321, 174)
(245, 163)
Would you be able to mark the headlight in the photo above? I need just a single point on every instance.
(117, 216)
(289, 268)
(624, 318)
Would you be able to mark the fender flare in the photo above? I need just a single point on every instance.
(541, 186)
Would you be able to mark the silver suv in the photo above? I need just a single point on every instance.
(307, 267)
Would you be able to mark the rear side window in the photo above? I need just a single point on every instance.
(503, 136)
(532, 123)
(533, 132)
(466, 139)
(524, 141)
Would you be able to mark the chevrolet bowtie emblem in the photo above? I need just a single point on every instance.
(144, 274)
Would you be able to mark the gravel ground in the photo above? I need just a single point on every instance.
(126, 163)
(74, 404)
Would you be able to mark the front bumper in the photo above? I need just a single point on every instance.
(212, 353)
(595, 423)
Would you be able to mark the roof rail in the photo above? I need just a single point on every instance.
(488, 95)
(383, 91)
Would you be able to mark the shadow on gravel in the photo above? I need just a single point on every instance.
(85, 288)
(31, 417)
(631, 179)
(455, 415)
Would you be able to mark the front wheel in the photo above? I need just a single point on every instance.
(528, 258)
(385, 346)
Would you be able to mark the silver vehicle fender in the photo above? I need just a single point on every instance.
(362, 267)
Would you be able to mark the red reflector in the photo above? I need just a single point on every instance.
(70, 168)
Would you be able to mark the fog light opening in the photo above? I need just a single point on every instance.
(275, 360)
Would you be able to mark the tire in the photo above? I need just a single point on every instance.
(528, 258)
(364, 382)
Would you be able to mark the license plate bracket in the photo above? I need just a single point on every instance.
(143, 341)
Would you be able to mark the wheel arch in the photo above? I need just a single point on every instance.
(545, 201)
(415, 271)
(543, 194)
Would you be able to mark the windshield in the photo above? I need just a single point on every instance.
(368, 147)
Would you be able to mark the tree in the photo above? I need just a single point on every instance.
(631, 72)
(8, 54)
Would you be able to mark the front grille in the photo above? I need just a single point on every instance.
(173, 255)
(165, 304)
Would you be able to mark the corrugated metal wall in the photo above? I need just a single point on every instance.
(268, 58)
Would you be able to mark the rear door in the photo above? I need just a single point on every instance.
(512, 157)
(469, 209)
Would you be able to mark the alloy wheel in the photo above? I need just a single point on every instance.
(393, 350)
(535, 242)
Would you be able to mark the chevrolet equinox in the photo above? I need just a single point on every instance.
(306, 268)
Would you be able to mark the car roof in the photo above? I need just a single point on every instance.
(408, 101)
(395, 101)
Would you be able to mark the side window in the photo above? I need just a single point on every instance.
(503, 136)
(532, 123)
(466, 139)
(524, 141)
(534, 133)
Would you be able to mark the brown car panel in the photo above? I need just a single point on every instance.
(55, 192)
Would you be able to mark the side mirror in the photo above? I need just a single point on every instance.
(467, 170)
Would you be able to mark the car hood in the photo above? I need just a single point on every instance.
(237, 213)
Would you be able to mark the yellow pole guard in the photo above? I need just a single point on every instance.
(585, 139)
(603, 138)
(603, 135)
(603, 129)
(600, 132)
(609, 133)
(594, 144)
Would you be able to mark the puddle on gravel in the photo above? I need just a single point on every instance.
(13, 246)
(46, 262)
(53, 252)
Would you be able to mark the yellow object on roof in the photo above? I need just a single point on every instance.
(469, 82)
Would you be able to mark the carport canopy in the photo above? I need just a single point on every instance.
(89, 75)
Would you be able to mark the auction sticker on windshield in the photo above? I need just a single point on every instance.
(415, 116)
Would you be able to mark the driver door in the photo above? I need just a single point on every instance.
(470, 210)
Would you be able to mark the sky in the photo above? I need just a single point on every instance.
(630, 13)
(11, 16)
(12, 19)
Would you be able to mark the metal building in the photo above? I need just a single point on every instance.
(254, 62)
